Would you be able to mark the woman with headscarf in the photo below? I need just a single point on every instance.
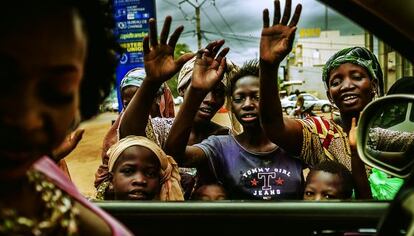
(163, 106)
(352, 78)
(140, 170)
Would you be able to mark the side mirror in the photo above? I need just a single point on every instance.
(386, 135)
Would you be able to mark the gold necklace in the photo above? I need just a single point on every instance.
(59, 217)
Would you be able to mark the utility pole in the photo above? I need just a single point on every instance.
(197, 7)
(383, 50)
(369, 41)
(198, 28)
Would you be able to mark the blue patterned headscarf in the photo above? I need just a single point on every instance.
(135, 77)
(359, 56)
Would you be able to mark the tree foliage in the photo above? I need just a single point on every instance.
(180, 49)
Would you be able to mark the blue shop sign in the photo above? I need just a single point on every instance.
(131, 26)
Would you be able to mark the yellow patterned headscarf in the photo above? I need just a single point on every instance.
(184, 77)
(170, 177)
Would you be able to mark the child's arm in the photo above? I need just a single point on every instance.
(275, 43)
(160, 66)
(207, 73)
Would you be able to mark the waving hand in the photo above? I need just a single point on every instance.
(159, 56)
(276, 40)
(209, 68)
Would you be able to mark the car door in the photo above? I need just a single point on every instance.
(310, 100)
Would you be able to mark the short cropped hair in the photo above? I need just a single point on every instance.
(249, 68)
(339, 169)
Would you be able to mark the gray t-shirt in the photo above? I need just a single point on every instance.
(250, 175)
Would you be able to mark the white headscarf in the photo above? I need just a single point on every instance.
(170, 180)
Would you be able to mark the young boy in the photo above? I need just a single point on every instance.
(210, 192)
(328, 180)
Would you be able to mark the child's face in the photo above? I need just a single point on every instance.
(211, 104)
(211, 192)
(41, 66)
(245, 101)
(323, 186)
(136, 175)
(127, 94)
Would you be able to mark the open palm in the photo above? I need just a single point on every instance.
(208, 69)
(159, 57)
(276, 40)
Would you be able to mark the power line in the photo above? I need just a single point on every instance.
(188, 32)
(205, 37)
(197, 17)
(225, 21)
(231, 36)
(211, 22)
(172, 4)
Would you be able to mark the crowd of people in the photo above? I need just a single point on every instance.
(60, 67)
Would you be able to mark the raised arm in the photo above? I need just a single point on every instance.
(207, 73)
(275, 43)
(160, 66)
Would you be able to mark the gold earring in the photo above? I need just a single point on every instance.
(374, 91)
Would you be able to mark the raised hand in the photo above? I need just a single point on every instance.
(276, 40)
(209, 68)
(159, 56)
(353, 135)
(70, 143)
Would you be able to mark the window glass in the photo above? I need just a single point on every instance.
(321, 32)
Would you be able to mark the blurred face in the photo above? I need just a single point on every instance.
(323, 186)
(41, 66)
(136, 175)
(127, 93)
(211, 192)
(245, 101)
(211, 104)
(350, 88)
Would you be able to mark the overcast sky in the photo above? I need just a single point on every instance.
(239, 22)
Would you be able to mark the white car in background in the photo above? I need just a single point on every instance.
(289, 102)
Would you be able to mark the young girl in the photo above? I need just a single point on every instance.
(162, 106)
(140, 170)
(55, 58)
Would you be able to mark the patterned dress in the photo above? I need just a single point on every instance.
(323, 139)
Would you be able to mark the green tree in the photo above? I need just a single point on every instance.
(180, 49)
